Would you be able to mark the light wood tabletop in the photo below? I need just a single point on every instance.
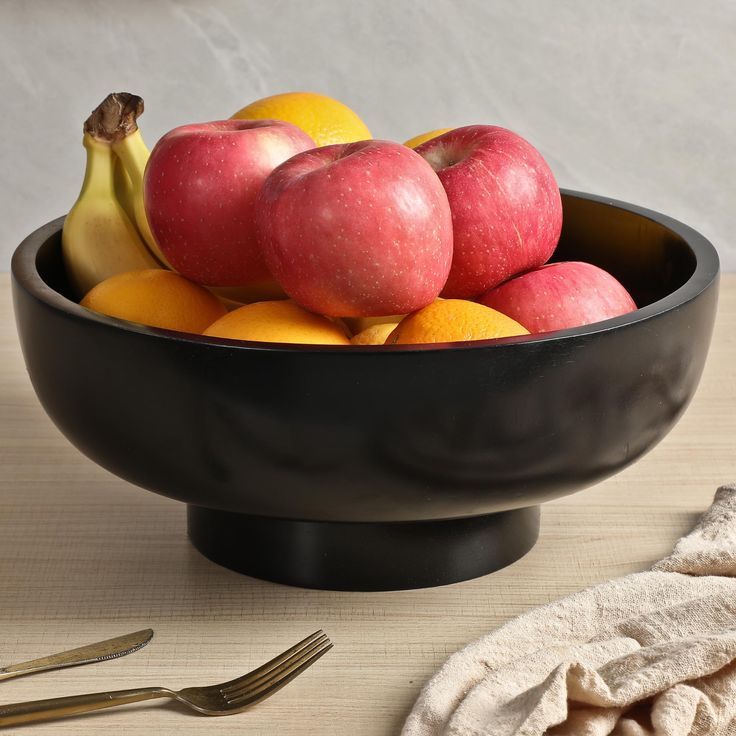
(85, 556)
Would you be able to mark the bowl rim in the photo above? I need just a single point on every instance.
(707, 266)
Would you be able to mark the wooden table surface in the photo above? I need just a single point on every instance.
(85, 556)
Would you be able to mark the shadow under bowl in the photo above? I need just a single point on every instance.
(379, 468)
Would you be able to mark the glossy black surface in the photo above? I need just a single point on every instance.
(392, 434)
(356, 556)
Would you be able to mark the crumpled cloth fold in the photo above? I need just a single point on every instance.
(649, 654)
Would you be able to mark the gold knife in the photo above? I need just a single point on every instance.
(102, 650)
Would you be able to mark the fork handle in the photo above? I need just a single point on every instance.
(41, 710)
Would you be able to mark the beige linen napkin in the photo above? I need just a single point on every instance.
(649, 654)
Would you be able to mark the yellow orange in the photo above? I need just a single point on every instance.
(278, 321)
(453, 320)
(417, 140)
(323, 118)
(260, 291)
(156, 297)
(358, 324)
(373, 335)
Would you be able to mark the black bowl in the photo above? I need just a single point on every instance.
(379, 468)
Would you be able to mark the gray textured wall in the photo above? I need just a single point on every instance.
(634, 99)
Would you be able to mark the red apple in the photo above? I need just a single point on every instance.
(200, 187)
(356, 230)
(505, 203)
(560, 295)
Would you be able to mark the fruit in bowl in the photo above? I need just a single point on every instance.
(453, 320)
(558, 296)
(362, 236)
(374, 335)
(100, 237)
(324, 119)
(356, 230)
(201, 184)
(417, 140)
(277, 321)
(158, 298)
(505, 203)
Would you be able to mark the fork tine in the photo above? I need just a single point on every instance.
(265, 690)
(270, 665)
(253, 683)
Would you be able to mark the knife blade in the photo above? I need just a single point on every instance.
(98, 652)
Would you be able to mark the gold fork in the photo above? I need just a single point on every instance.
(213, 700)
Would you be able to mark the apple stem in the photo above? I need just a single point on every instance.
(115, 117)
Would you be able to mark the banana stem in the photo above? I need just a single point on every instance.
(115, 117)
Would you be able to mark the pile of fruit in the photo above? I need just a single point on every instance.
(289, 223)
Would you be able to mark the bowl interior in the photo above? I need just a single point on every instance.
(650, 259)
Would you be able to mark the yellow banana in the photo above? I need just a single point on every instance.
(123, 188)
(133, 154)
(98, 239)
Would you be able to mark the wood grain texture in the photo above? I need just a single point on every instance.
(85, 556)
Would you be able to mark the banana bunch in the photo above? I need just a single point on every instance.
(106, 231)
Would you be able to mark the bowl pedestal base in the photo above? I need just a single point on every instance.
(363, 556)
